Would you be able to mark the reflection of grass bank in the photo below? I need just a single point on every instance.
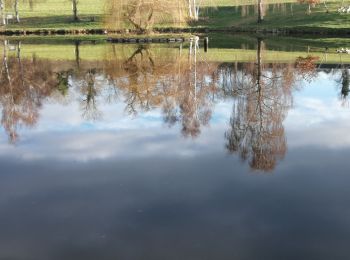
(238, 55)
(217, 15)
(247, 41)
(66, 50)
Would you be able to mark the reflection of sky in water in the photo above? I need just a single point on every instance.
(132, 188)
(317, 118)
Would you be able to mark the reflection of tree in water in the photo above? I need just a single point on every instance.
(26, 82)
(344, 83)
(63, 83)
(23, 85)
(90, 87)
(196, 89)
(262, 98)
(306, 67)
(173, 80)
(136, 77)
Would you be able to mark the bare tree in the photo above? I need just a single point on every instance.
(310, 3)
(15, 5)
(143, 14)
(193, 9)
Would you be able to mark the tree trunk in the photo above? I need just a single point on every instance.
(196, 10)
(325, 5)
(75, 10)
(260, 11)
(190, 8)
(2, 10)
(16, 11)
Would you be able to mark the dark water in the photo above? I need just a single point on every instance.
(165, 153)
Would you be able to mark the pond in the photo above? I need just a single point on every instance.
(165, 151)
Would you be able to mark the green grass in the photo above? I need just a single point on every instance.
(57, 14)
(218, 3)
(216, 14)
(280, 18)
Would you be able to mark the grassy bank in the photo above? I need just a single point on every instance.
(235, 15)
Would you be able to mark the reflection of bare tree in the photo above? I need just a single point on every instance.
(262, 99)
(63, 84)
(174, 80)
(23, 85)
(306, 67)
(26, 82)
(197, 89)
(89, 81)
(344, 85)
(90, 87)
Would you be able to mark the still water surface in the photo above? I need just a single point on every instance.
(167, 152)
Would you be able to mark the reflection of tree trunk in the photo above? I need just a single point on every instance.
(77, 53)
(195, 68)
(10, 113)
(259, 61)
(259, 64)
(179, 69)
(194, 46)
(190, 54)
(90, 110)
(21, 72)
(345, 83)
(6, 63)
